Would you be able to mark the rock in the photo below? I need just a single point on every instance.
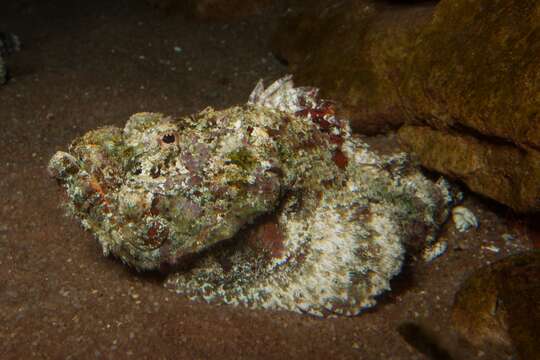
(469, 70)
(355, 52)
(464, 219)
(474, 78)
(499, 305)
(500, 171)
(476, 68)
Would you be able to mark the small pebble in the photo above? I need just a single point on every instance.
(508, 237)
(491, 248)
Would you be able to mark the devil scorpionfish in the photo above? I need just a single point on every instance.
(273, 204)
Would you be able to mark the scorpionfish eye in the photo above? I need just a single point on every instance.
(168, 138)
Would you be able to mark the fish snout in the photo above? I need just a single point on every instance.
(62, 165)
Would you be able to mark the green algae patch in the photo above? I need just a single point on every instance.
(243, 158)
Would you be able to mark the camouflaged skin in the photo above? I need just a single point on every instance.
(197, 193)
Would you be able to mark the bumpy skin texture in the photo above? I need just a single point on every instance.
(336, 218)
(9, 44)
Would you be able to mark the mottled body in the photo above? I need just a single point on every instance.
(338, 219)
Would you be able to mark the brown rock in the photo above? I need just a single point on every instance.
(497, 170)
(499, 305)
(477, 66)
(354, 51)
(474, 76)
(469, 69)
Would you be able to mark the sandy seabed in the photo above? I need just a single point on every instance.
(90, 64)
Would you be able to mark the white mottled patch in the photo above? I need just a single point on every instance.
(464, 219)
